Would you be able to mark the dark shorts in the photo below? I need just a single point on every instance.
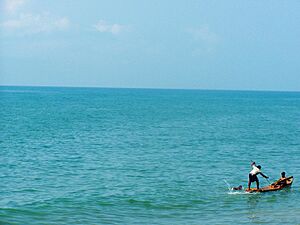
(252, 178)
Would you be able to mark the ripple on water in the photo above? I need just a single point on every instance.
(113, 156)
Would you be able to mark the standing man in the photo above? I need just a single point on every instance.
(253, 175)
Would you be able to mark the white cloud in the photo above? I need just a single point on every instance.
(105, 27)
(11, 6)
(62, 23)
(31, 24)
(203, 34)
(206, 41)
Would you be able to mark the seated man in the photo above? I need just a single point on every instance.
(282, 180)
(282, 176)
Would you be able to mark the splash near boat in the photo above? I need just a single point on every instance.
(276, 186)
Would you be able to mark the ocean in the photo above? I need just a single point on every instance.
(146, 156)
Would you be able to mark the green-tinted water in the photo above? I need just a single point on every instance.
(124, 156)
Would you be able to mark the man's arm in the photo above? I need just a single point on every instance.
(263, 175)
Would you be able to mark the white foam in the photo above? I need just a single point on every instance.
(241, 193)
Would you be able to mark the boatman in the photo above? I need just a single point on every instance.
(253, 175)
(282, 180)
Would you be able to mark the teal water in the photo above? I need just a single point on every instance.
(138, 156)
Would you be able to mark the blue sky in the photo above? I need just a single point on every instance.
(234, 44)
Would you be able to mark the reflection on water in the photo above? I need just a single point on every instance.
(258, 205)
(252, 204)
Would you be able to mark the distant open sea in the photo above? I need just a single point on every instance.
(143, 156)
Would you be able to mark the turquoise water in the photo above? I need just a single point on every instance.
(126, 156)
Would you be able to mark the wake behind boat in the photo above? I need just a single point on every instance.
(276, 186)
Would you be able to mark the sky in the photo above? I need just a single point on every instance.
(192, 44)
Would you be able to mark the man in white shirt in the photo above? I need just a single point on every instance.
(253, 175)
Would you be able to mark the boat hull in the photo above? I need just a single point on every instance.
(273, 187)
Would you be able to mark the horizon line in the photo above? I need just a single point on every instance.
(149, 88)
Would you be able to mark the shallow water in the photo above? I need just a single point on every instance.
(133, 156)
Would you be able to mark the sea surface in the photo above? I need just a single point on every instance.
(143, 156)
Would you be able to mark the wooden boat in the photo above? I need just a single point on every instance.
(276, 186)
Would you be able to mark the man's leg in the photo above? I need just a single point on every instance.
(249, 182)
(257, 183)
